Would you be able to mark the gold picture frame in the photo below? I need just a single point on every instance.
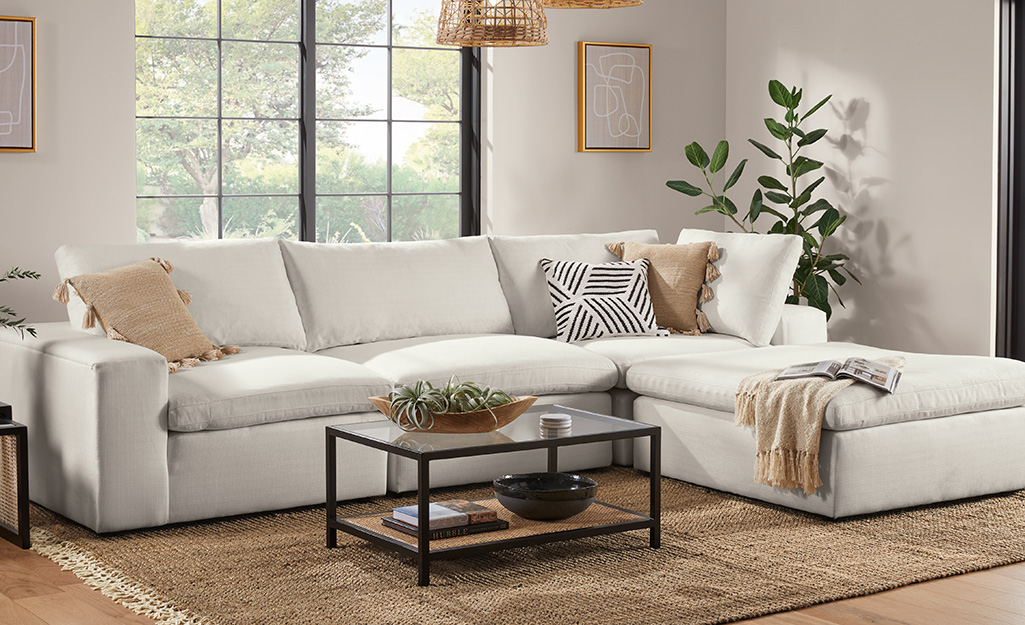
(613, 97)
(17, 84)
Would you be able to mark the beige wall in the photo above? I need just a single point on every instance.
(79, 187)
(536, 181)
(914, 86)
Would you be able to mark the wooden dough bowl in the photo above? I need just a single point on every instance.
(475, 422)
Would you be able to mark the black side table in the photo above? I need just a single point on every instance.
(13, 479)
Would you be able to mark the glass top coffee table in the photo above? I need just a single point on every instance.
(521, 434)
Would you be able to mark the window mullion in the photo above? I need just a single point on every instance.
(220, 125)
(308, 122)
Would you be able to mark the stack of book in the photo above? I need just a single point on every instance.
(457, 517)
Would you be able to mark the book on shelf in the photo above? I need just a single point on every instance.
(454, 513)
(877, 374)
(447, 532)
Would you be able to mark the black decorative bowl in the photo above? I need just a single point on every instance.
(545, 496)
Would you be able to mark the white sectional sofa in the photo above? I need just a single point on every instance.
(117, 443)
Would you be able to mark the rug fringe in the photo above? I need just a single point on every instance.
(112, 583)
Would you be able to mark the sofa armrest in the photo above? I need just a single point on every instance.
(800, 325)
(96, 412)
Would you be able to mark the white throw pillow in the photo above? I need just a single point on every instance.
(595, 300)
(524, 283)
(757, 270)
(353, 293)
(240, 293)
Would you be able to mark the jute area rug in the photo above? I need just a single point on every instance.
(722, 558)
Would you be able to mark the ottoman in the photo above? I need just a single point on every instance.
(954, 428)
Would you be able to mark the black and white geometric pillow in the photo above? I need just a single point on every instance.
(592, 301)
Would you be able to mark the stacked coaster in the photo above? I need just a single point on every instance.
(554, 425)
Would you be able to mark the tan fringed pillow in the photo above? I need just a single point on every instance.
(139, 304)
(677, 281)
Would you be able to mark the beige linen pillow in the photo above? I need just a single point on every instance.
(139, 304)
(677, 280)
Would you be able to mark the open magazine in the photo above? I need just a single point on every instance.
(875, 373)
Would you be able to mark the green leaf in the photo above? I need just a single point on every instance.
(798, 132)
(795, 97)
(735, 176)
(834, 225)
(777, 228)
(708, 209)
(812, 137)
(805, 166)
(810, 240)
(778, 198)
(816, 206)
(684, 187)
(771, 183)
(728, 203)
(773, 211)
(779, 94)
(765, 150)
(722, 152)
(827, 220)
(813, 186)
(816, 107)
(853, 277)
(756, 206)
(793, 299)
(816, 289)
(801, 200)
(789, 117)
(837, 277)
(696, 155)
(777, 129)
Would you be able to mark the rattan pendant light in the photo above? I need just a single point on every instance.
(492, 23)
(590, 4)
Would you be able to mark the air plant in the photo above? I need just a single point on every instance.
(420, 401)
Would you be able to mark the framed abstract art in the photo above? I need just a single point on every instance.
(614, 97)
(17, 84)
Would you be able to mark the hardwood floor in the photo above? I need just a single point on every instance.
(35, 591)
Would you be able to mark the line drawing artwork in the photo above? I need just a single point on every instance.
(615, 73)
(8, 121)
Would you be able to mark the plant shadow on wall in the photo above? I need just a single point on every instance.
(788, 199)
(869, 240)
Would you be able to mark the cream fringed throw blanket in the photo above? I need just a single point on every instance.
(787, 417)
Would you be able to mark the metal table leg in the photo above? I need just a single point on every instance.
(655, 505)
(423, 542)
(553, 459)
(332, 491)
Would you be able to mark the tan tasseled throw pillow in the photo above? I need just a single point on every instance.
(139, 304)
(677, 281)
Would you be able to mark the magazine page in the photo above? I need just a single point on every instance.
(875, 373)
(827, 368)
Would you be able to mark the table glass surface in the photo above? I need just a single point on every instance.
(526, 428)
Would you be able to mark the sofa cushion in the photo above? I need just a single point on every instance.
(524, 283)
(757, 271)
(627, 351)
(519, 365)
(240, 292)
(266, 385)
(931, 386)
(364, 292)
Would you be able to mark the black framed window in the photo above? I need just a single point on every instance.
(1010, 309)
(317, 120)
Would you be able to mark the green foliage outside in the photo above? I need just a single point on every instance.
(8, 318)
(260, 82)
(815, 222)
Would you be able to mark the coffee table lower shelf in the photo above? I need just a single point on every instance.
(601, 518)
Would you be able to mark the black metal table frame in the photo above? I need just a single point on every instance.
(422, 553)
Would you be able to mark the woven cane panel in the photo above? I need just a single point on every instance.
(9, 480)
(590, 4)
(493, 23)
(519, 527)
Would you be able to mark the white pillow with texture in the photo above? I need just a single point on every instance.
(524, 282)
(240, 292)
(353, 293)
(757, 270)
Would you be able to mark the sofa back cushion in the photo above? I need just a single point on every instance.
(524, 283)
(363, 292)
(240, 292)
